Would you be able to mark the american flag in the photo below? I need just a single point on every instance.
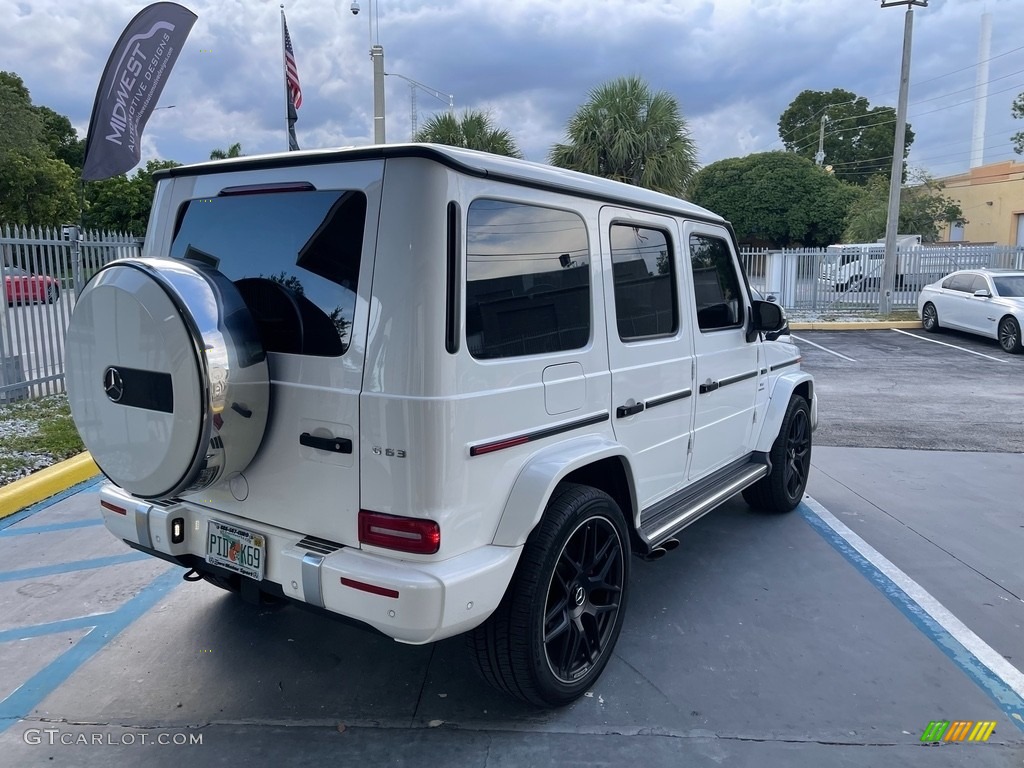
(290, 70)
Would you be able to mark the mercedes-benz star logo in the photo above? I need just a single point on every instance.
(579, 596)
(113, 385)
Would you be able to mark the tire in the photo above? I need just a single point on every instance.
(930, 318)
(783, 488)
(52, 294)
(574, 570)
(1009, 335)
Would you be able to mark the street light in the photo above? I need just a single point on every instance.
(377, 57)
(444, 98)
(896, 179)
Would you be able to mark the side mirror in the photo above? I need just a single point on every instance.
(767, 318)
(984, 293)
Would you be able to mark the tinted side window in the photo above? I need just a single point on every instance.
(716, 285)
(527, 280)
(979, 284)
(963, 282)
(645, 282)
(294, 257)
(948, 283)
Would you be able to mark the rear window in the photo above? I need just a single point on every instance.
(294, 256)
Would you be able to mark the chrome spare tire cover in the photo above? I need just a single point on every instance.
(166, 376)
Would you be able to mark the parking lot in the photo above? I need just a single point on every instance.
(831, 636)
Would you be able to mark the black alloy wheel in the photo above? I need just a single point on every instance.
(554, 631)
(583, 599)
(783, 488)
(798, 455)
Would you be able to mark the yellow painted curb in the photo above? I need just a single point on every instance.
(45, 483)
(880, 325)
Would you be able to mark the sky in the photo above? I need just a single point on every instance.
(733, 65)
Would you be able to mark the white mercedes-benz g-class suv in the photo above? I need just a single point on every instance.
(435, 391)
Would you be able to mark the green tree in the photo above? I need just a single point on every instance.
(923, 208)
(37, 186)
(235, 150)
(472, 130)
(627, 132)
(859, 138)
(777, 198)
(20, 126)
(122, 204)
(35, 189)
(1017, 110)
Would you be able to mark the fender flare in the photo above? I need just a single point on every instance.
(542, 472)
(782, 391)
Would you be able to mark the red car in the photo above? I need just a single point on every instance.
(23, 287)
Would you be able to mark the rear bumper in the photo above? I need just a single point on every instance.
(414, 602)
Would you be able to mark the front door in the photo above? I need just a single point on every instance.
(728, 371)
(649, 347)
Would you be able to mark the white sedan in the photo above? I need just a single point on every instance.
(989, 302)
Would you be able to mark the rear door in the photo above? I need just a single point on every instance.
(728, 371)
(298, 243)
(956, 303)
(649, 347)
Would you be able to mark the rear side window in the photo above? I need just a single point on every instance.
(716, 284)
(963, 282)
(645, 282)
(294, 256)
(948, 283)
(527, 280)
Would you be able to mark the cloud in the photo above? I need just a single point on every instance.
(734, 66)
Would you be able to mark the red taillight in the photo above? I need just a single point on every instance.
(113, 507)
(405, 534)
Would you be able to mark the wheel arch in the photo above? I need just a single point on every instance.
(592, 460)
(788, 384)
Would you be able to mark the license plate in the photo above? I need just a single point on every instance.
(236, 549)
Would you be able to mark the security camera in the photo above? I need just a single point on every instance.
(354, 8)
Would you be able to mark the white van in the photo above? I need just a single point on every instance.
(435, 391)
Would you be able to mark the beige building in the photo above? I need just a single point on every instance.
(992, 199)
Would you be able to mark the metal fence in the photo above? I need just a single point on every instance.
(827, 279)
(43, 270)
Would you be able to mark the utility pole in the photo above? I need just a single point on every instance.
(896, 180)
(377, 58)
(819, 156)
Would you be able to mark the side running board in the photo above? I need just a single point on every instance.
(665, 519)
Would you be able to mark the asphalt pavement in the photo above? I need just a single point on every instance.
(831, 636)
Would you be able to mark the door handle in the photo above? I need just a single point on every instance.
(628, 410)
(708, 386)
(332, 444)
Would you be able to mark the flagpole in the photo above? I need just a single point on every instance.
(287, 92)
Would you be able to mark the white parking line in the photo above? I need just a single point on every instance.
(823, 349)
(954, 346)
(1010, 676)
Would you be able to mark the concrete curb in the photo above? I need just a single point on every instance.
(832, 325)
(45, 483)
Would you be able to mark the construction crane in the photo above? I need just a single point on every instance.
(445, 98)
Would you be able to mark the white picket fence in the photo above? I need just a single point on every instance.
(43, 271)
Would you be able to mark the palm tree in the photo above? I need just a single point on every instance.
(628, 133)
(235, 150)
(472, 130)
